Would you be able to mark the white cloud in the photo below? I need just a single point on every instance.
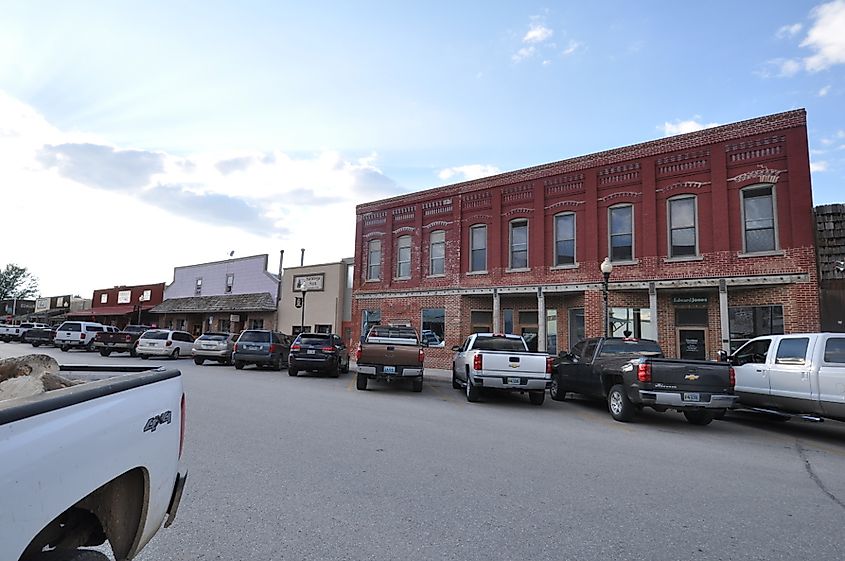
(681, 127)
(826, 36)
(572, 47)
(537, 33)
(523, 53)
(824, 91)
(787, 31)
(467, 172)
(788, 67)
(820, 165)
(546, 62)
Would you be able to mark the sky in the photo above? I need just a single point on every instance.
(140, 136)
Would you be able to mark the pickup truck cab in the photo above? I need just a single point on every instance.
(78, 334)
(92, 462)
(125, 341)
(390, 353)
(631, 374)
(502, 362)
(802, 374)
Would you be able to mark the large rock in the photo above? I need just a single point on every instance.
(28, 375)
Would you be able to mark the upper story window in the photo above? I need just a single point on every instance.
(104, 298)
(565, 239)
(519, 244)
(437, 253)
(198, 287)
(478, 248)
(758, 217)
(374, 260)
(621, 220)
(230, 282)
(403, 257)
(683, 239)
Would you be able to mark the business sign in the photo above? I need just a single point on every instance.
(124, 297)
(690, 299)
(308, 282)
(42, 305)
(234, 318)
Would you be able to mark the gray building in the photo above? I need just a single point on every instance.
(230, 295)
(830, 245)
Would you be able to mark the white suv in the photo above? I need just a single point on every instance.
(79, 334)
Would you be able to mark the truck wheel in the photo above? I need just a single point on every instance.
(90, 346)
(64, 348)
(456, 384)
(36, 345)
(555, 390)
(105, 352)
(145, 357)
(700, 418)
(198, 360)
(69, 555)
(292, 371)
(345, 369)
(239, 365)
(472, 391)
(417, 384)
(361, 382)
(719, 414)
(335, 372)
(537, 398)
(621, 408)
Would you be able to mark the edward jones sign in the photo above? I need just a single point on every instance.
(690, 299)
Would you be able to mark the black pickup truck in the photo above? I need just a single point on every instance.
(632, 373)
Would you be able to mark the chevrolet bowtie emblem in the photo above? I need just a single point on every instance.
(691, 377)
(512, 365)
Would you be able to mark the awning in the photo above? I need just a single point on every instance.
(260, 302)
(123, 310)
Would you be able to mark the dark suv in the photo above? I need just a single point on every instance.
(318, 352)
(261, 348)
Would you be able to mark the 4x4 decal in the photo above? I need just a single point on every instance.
(154, 422)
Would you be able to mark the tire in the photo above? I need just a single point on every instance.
(700, 418)
(175, 354)
(537, 397)
(198, 360)
(361, 382)
(720, 414)
(292, 371)
(345, 369)
(278, 366)
(456, 384)
(36, 345)
(620, 407)
(239, 365)
(132, 352)
(472, 391)
(90, 346)
(144, 357)
(69, 555)
(65, 348)
(105, 352)
(417, 384)
(335, 372)
(556, 392)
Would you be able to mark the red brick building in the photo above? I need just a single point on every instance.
(711, 237)
(123, 305)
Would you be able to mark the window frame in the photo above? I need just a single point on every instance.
(198, 286)
(473, 249)
(558, 240)
(670, 229)
(775, 225)
(373, 266)
(431, 258)
(512, 224)
(403, 242)
(610, 234)
(230, 282)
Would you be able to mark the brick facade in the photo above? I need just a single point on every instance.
(714, 166)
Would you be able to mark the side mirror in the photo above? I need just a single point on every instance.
(723, 356)
(456, 348)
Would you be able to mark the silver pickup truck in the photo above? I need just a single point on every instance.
(796, 374)
(502, 362)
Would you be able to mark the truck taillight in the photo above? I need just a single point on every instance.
(128, 338)
(272, 348)
(549, 361)
(357, 354)
(182, 426)
(421, 356)
(732, 376)
(328, 349)
(644, 372)
(477, 364)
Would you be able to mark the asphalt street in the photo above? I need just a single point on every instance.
(309, 468)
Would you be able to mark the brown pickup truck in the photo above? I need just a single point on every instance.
(388, 354)
(120, 342)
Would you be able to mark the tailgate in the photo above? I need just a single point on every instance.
(690, 375)
(503, 363)
(389, 354)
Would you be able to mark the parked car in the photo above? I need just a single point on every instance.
(502, 362)
(631, 374)
(9, 333)
(77, 334)
(92, 462)
(390, 353)
(38, 336)
(262, 347)
(164, 343)
(797, 374)
(318, 352)
(216, 346)
(125, 341)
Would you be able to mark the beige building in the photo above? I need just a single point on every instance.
(327, 299)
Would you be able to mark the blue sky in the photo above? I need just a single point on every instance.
(257, 126)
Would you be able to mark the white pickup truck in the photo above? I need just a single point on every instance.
(92, 462)
(798, 374)
(503, 362)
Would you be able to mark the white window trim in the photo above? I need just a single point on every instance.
(431, 259)
(633, 258)
(367, 276)
(398, 262)
(486, 249)
(777, 248)
(669, 256)
(574, 263)
(527, 267)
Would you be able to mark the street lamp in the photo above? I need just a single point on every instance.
(606, 269)
(299, 302)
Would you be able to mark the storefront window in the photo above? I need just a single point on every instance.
(748, 322)
(636, 320)
(576, 326)
(551, 332)
(481, 321)
(369, 318)
(507, 314)
(434, 326)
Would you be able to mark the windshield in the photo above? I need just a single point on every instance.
(213, 337)
(154, 335)
(315, 339)
(494, 343)
(255, 337)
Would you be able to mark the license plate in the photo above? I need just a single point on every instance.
(514, 381)
(208, 346)
(311, 351)
(390, 370)
(254, 348)
(692, 397)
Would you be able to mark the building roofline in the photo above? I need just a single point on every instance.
(686, 141)
(344, 261)
(231, 259)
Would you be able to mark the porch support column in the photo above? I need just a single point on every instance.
(652, 306)
(541, 320)
(723, 316)
(497, 312)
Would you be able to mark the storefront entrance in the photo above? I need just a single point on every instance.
(691, 326)
(691, 343)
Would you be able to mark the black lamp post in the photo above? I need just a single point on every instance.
(606, 269)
